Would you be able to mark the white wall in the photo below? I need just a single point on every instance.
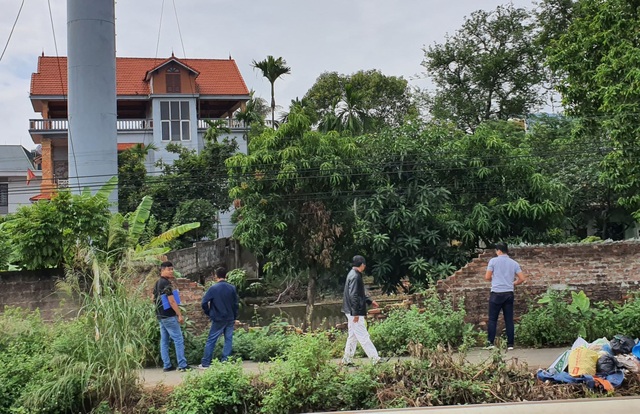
(20, 192)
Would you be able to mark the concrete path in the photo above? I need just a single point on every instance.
(535, 358)
(581, 406)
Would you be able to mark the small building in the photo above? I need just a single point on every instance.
(19, 178)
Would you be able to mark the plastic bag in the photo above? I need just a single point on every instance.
(607, 364)
(561, 363)
(582, 361)
(621, 344)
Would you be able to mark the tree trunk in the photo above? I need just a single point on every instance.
(311, 297)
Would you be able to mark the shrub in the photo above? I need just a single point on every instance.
(223, 388)
(304, 380)
(438, 323)
(23, 353)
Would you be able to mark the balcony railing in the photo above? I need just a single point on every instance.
(59, 125)
(231, 123)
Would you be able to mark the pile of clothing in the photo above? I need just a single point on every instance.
(599, 364)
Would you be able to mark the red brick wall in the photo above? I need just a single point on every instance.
(604, 271)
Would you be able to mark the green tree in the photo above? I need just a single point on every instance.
(491, 69)
(294, 188)
(500, 191)
(406, 224)
(50, 233)
(364, 101)
(272, 69)
(597, 59)
(132, 174)
(195, 178)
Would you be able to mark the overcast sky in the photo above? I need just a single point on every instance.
(313, 36)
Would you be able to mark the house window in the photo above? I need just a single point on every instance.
(4, 195)
(173, 80)
(174, 116)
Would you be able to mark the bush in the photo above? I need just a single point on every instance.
(304, 380)
(439, 323)
(223, 388)
(23, 353)
(559, 322)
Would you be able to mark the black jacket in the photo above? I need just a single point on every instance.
(355, 301)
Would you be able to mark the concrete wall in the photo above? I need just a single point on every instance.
(604, 271)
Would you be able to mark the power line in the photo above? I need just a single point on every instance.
(11, 32)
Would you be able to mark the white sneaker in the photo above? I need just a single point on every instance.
(202, 367)
(510, 348)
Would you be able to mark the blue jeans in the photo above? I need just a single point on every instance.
(218, 328)
(498, 302)
(170, 329)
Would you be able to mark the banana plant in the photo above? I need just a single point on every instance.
(125, 235)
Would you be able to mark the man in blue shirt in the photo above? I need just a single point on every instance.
(504, 273)
(220, 303)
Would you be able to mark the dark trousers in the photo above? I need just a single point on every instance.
(497, 302)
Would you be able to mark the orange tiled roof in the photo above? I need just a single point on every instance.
(41, 196)
(216, 76)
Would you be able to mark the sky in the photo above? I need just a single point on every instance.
(313, 36)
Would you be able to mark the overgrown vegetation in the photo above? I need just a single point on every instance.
(560, 321)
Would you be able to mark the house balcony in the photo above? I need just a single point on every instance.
(58, 128)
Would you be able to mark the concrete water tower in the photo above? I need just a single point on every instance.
(91, 45)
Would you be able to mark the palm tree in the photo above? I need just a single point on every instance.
(254, 110)
(272, 69)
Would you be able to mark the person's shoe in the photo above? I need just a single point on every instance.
(380, 360)
(202, 367)
(169, 369)
(489, 347)
(185, 369)
(510, 348)
(347, 363)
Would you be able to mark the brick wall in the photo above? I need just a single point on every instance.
(604, 271)
(34, 290)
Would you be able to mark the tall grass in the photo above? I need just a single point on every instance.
(97, 357)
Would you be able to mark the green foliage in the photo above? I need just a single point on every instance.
(560, 321)
(490, 69)
(238, 278)
(49, 233)
(132, 174)
(596, 58)
(304, 380)
(362, 102)
(192, 188)
(436, 323)
(272, 69)
(99, 359)
(223, 388)
(22, 353)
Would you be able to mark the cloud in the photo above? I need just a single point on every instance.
(313, 37)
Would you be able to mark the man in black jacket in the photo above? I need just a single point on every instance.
(220, 303)
(354, 306)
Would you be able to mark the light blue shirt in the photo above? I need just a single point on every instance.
(504, 271)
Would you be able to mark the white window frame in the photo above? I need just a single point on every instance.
(170, 121)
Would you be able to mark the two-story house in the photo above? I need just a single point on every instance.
(159, 101)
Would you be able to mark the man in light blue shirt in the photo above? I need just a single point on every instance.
(504, 273)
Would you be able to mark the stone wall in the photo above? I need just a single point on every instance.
(197, 262)
(604, 271)
(34, 289)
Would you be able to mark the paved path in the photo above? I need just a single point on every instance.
(581, 406)
(535, 358)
